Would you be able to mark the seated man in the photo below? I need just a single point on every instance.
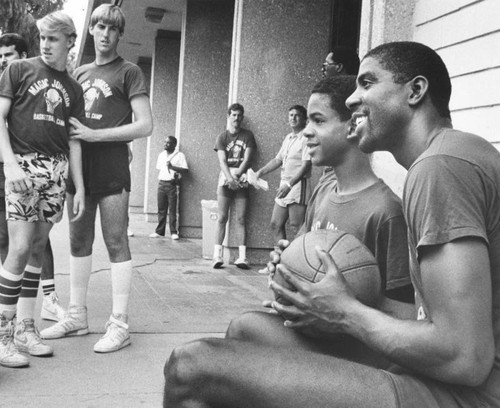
(445, 349)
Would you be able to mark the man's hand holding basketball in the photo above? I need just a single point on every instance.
(322, 307)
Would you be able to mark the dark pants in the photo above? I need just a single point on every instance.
(167, 203)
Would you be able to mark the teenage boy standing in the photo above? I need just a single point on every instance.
(37, 98)
(117, 111)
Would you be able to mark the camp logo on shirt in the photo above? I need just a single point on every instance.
(54, 94)
(92, 91)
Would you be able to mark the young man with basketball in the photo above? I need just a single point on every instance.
(117, 111)
(448, 354)
(37, 98)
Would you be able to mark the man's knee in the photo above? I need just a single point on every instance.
(277, 226)
(244, 327)
(187, 372)
(222, 220)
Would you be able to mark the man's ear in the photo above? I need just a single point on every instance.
(340, 67)
(24, 55)
(418, 89)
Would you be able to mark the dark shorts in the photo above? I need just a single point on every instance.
(105, 169)
(233, 194)
(416, 392)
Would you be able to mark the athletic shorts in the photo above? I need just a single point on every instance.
(412, 391)
(299, 194)
(233, 194)
(105, 169)
(45, 201)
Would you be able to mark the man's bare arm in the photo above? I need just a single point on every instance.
(453, 344)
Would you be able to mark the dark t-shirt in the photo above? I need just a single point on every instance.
(43, 99)
(108, 90)
(235, 145)
(374, 216)
(453, 191)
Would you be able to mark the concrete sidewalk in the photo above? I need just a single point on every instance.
(176, 297)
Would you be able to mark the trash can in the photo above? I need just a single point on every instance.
(209, 225)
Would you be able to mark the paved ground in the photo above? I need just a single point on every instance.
(176, 297)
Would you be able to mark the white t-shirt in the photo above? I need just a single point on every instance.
(177, 159)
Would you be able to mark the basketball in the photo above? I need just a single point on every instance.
(353, 259)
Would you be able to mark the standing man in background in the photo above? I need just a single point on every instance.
(171, 164)
(234, 148)
(294, 190)
(117, 111)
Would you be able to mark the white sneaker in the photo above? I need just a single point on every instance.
(27, 339)
(154, 235)
(175, 237)
(116, 337)
(264, 271)
(51, 308)
(9, 354)
(130, 233)
(74, 323)
(242, 263)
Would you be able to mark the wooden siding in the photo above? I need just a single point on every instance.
(466, 34)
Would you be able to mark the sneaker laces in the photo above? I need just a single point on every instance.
(8, 339)
(32, 334)
(115, 329)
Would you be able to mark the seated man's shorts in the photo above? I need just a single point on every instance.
(45, 201)
(105, 169)
(412, 391)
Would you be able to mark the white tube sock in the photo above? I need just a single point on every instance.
(80, 269)
(121, 278)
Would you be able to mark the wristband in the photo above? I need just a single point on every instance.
(288, 184)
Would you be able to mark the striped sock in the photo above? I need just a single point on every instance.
(48, 286)
(10, 288)
(29, 292)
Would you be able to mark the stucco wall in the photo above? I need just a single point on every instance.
(205, 84)
(282, 47)
(164, 107)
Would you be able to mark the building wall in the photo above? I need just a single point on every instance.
(164, 88)
(278, 61)
(466, 34)
(204, 88)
